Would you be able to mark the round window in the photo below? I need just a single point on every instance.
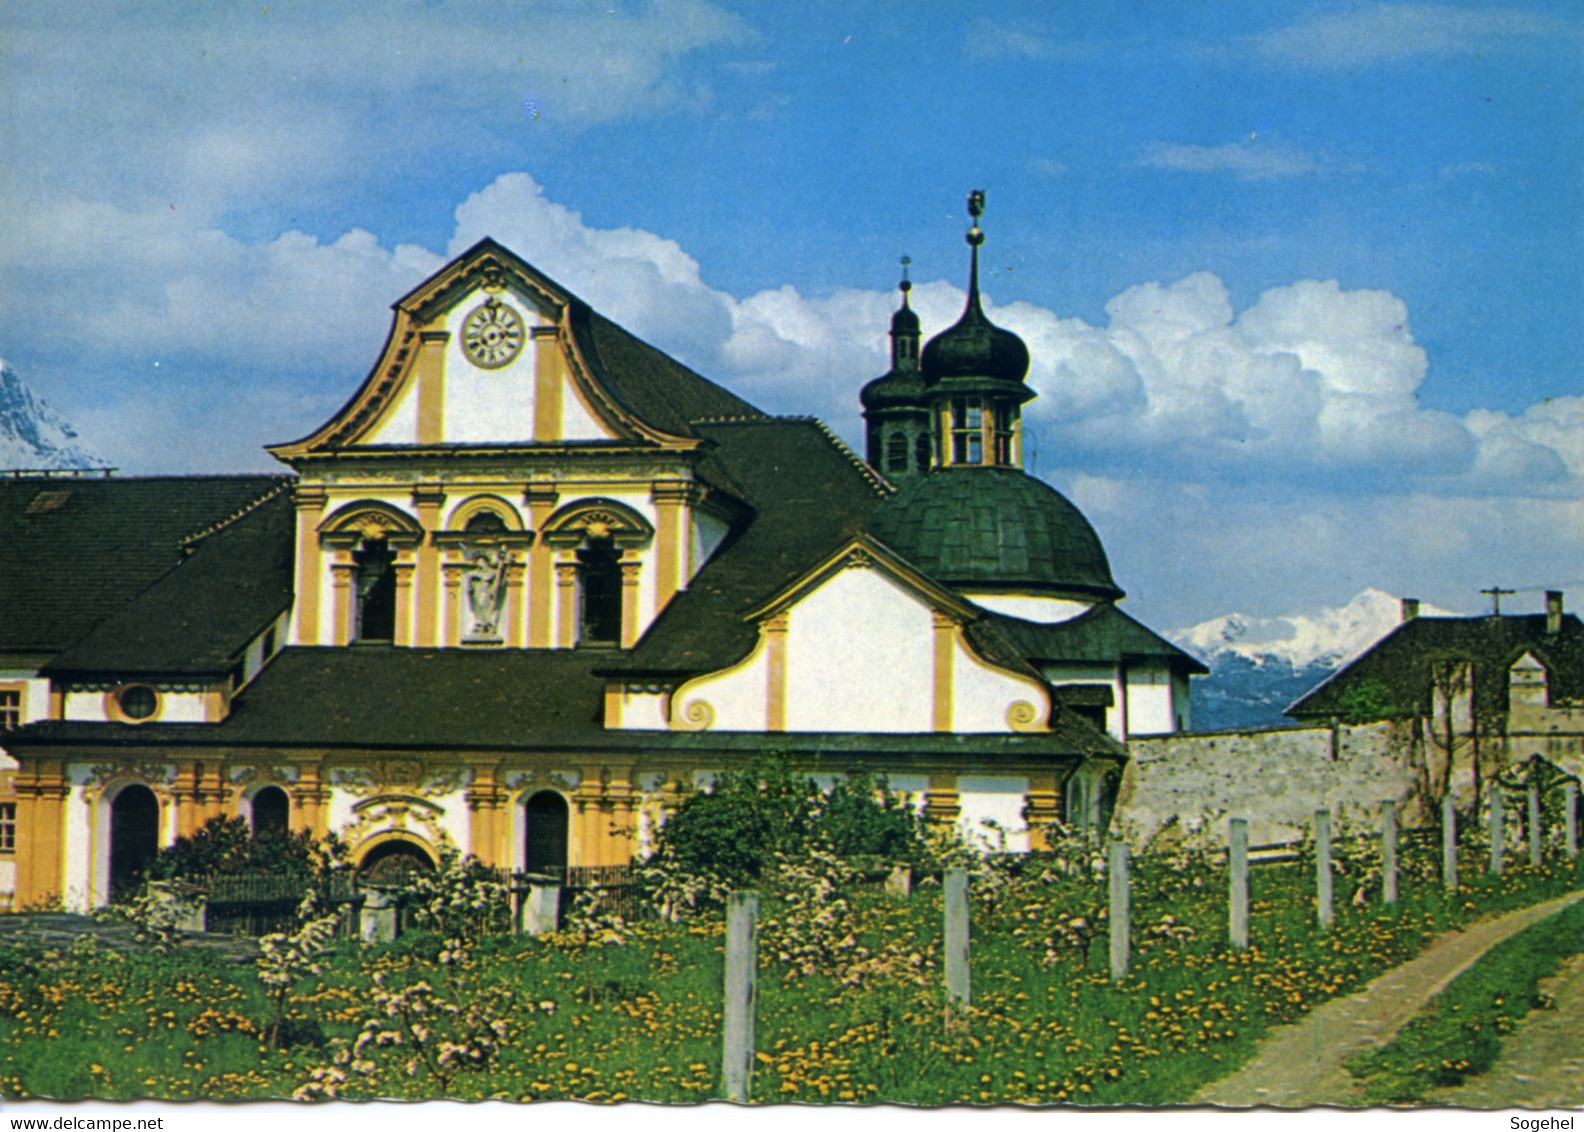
(137, 702)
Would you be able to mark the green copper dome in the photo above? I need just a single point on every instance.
(990, 529)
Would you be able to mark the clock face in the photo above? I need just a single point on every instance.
(492, 335)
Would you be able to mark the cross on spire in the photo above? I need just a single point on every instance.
(1496, 596)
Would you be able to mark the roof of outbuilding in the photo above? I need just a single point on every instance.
(1403, 663)
(198, 617)
(1102, 634)
(381, 696)
(74, 551)
(995, 529)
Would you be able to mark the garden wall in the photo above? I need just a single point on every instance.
(1184, 787)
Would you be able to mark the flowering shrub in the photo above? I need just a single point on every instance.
(286, 959)
(154, 917)
(461, 900)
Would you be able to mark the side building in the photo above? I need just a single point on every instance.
(534, 582)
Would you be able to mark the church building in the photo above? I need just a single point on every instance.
(536, 580)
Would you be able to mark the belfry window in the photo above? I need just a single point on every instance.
(967, 430)
(376, 591)
(896, 454)
(1002, 423)
(600, 576)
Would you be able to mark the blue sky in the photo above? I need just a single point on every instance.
(1302, 282)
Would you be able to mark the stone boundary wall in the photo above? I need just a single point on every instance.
(1181, 789)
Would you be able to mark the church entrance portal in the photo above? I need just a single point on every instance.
(545, 834)
(134, 838)
(394, 863)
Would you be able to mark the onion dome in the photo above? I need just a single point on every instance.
(901, 387)
(996, 530)
(976, 355)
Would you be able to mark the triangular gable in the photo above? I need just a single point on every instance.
(865, 551)
(487, 352)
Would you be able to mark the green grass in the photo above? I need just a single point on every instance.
(1458, 1034)
(642, 1020)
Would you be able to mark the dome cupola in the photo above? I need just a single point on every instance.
(896, 416)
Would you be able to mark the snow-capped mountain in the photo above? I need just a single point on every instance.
(1259, 665)
(34, 436)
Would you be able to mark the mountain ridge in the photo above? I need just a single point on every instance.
(33, 436)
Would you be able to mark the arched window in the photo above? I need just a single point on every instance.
(600, 621)
(134, 838)
(376, 591)
(271, 812)
(545, 834)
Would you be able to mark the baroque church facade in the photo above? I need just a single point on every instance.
(536, 580)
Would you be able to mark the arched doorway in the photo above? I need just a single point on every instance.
(271, 812)
(545, 834)
(134, 838)
(394, 863)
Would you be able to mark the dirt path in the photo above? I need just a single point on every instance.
(1301, 1064)
(1542, 1063)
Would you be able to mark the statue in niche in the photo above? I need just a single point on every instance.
(486, 590)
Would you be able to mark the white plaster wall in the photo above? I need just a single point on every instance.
(998, 799)
(399, 425)
(489, 406)
(577, 423)
(7, 883)
(643, 711)
(981, 695)
(35, 692)
(738, 697)
(174, 707)
(707, 533)
(1150, 700)
(1049, 610)
(80, 848)
(860, 657)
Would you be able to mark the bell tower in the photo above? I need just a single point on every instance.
(896, 419)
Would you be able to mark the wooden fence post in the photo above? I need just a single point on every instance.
(742, 988)
(1498, 830)
(1534, 824)
(1238, 897)
(1323, 902)
(1570, 818)
(958, 990)
(1117, 874)
(1389, 854)
(1449, 861)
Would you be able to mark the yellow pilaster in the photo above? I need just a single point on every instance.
(428, 499)
(566, 605)
(672, 499)
(775, 634)
(541, 500)
(312, 796)
(404, 603)
(942, 804)
(631, 572)
(515, 572)
(41, 793)
(486, 804)
(613, 705)
(429, 369)
(1041, 809)
(310, 502)
(944, 656)
(345, 574)
(453, 603)
(547, 385)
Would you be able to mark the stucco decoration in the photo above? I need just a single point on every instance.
(245, 776)
(409, 777)
(152, 773)
(396, 814)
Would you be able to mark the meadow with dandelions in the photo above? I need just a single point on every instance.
(851, 1006)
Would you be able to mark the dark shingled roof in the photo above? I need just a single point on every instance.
(1104, 634)
(380, 696)
(69, 560)
(811, 497)
(198, 617)
(1403, 661)
(656, 388)
(995, 529)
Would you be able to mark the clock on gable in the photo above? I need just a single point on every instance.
(492, 335)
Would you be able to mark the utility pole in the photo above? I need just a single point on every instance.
(1496, 593)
